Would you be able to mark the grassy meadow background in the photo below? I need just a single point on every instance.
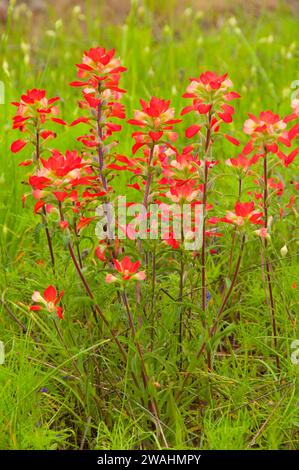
(50, 395)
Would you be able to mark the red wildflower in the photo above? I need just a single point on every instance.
(84, 222)
(263, 233)
(171, 241)
(35, 107)
(267, 124)
(100, 252)
(268, 131)
(183, 191)
(183, 166)
(99, 68)
(48, 301)
(61, 171)
(128, 271)
(274, 183)
(63, 224)
(33, 110)
(244, 212)
(210, 93)
(157, 120)
(242, 162)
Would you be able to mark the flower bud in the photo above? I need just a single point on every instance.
(284, 251)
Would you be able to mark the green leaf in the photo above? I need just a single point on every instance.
(37, 231)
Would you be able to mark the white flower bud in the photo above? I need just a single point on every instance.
(58, 24)
(284, 251)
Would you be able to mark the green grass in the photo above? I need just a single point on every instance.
(66, 391)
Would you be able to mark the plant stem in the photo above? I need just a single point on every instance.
(133, 332)
(267, 262)
(102, 165)
(77, 244)
(145, 203)
(145, 378)
(235, 229)
(100, 148)
(79, 256)
(90, 294)
(48, 235)
(148, 178)
(203, 250)
(181, 292)
(225, 300)
(49, 240)
(20, 324)
(153, 293)
(230, 290)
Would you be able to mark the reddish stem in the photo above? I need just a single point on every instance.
(203, 250)
(102, 164)
(48, 235)
(138, 346)
(181, 292)
(235, 229)
(145, 203)
(149, 178)
(91, 296)
(267, 262)
(100, 147)
(225, 300)
(153, 408)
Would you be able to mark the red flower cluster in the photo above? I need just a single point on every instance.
(33, 111)
(72, 184)
(101, 95)
(267, 133)
(99, 69)
(210, 95)
(242, 163)
(127, 271)
(60, 177)
(157, 120)
(48, 301)
(244, 212)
